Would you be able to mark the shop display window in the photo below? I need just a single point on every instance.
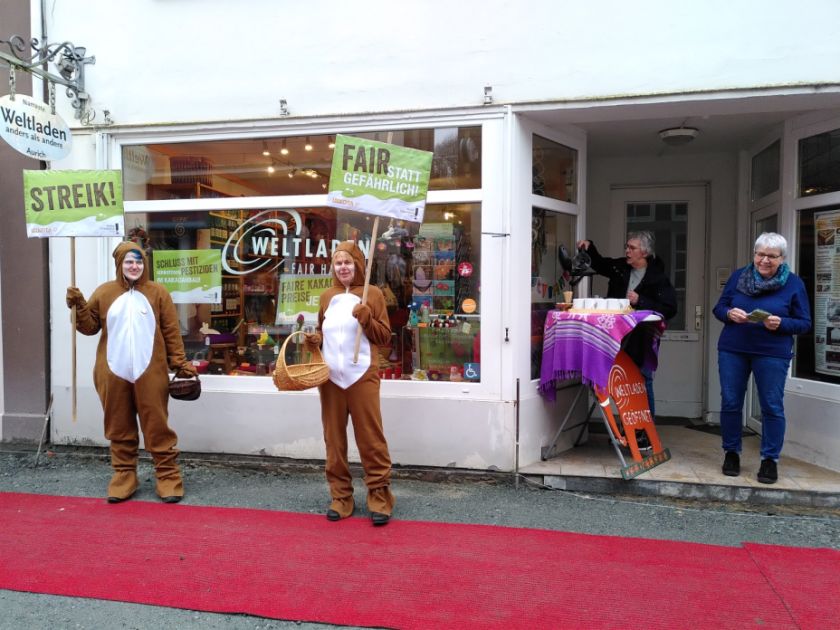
(549, 232)
(554, 170)
(765, 171)
(244, 280)
(819, 163)
(817, 353)
(293, 165)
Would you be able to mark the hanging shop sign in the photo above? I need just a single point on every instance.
(32, 129)
(192, 276)
(378, 178)
(73, 203)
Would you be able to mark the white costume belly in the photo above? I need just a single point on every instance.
(339, 334)
(131, 335)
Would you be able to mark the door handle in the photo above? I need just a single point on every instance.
(698, 317)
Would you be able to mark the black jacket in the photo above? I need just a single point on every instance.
(655, 290)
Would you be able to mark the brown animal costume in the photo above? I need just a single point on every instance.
(354, 389)
(140, 341)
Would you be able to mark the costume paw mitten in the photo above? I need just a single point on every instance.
(75, 298)
(363, 314)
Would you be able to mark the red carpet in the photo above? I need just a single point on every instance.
(406, 575)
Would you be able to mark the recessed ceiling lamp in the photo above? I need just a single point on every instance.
(678, 136)
(308, 145)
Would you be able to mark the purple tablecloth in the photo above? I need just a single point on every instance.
(585, 345)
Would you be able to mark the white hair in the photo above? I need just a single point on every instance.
(771, 240)
(646, 241)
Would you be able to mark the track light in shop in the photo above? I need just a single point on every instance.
(265, 150)
(284, 150)
(308, 145)
(331, 143)
(270, 169)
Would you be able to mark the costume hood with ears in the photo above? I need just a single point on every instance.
(119, 255)
(358, 257)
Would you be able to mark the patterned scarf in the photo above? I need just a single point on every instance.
(750, 282)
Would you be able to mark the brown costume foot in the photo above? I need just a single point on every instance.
(340, 508)
(170, 490)
(122, 486)
(381, 500)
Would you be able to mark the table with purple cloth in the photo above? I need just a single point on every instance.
(584, 345)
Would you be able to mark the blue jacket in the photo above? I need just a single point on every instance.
(790, 302)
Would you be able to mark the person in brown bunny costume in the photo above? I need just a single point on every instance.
(353, 388)
(140, 342)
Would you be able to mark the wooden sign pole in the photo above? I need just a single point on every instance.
(73, 324)
(367, 284)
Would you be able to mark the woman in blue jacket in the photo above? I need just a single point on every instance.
(763, 305)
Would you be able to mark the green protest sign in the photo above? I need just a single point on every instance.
(73, 203)
(299, 295)
(192, 276)
(379, 178)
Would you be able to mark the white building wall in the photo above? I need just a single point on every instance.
(194, 60)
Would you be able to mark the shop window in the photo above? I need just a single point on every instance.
(549, 232)
(243, 280)
(819, 164)
(295, 165)
(765, 170)
(817, 353)
(554, 170)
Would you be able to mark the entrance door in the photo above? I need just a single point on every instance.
(677, 217)
(764, 220)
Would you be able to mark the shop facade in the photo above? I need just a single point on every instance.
(514, 177)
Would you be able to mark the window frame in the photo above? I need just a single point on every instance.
(492, 163)
(792, 204)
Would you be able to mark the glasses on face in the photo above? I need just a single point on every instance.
(631, 247)
(770, 257)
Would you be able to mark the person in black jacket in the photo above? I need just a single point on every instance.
(639, 277)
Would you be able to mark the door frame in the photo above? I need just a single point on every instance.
(759, 210)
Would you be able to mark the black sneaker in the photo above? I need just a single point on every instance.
(731, 464)
(767, 472)
(642, 441)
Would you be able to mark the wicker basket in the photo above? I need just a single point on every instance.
(294, 378)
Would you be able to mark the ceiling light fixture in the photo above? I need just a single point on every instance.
(678, 136)
(284, 150)
(270, 169)
(265, 150)
(308, 145)
(331, 143)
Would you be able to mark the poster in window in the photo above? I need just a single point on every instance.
(827, 293)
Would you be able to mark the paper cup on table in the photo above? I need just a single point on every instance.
(567, 297)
